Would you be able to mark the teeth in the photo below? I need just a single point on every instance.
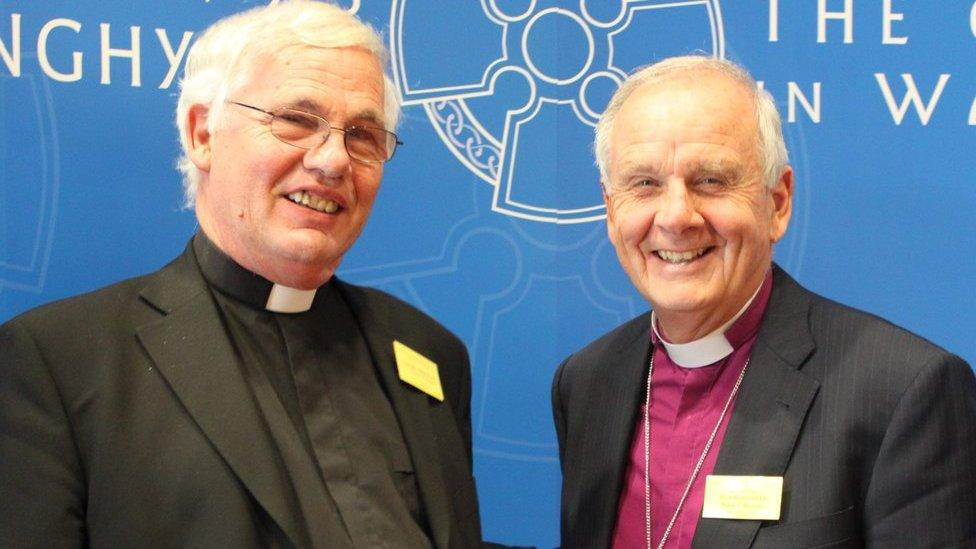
(306, 199)
(680, 257)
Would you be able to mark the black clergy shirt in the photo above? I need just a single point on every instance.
(320, 370)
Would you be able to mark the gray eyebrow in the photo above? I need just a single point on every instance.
(366, 117)
(306, 105)
(713, 165)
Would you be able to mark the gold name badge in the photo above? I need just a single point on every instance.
(742, 497)
(417, 370)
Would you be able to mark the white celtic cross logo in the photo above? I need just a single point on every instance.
(514, 89)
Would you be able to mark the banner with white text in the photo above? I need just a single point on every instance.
(490, 217)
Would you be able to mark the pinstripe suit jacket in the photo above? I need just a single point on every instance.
(872, 428)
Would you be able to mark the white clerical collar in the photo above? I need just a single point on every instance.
(284, 299)
(706, 350)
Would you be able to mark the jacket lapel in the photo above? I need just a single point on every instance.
(412, 411)
(192, 351)
(770, 409)
(615, 403)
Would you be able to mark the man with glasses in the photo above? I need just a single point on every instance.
(243, 396)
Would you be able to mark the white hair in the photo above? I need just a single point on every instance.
(221, 60)
(772, 149)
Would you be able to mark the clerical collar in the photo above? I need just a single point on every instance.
(224, 274)
(716, 345)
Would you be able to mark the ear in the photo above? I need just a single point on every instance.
(198, 136)
(609, 205)
(782, 195)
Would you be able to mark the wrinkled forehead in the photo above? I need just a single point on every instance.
(354, 68)
(700, 108)
(700, 99)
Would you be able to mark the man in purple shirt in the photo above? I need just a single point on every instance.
(745, 411)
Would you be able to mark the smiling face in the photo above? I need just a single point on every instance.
(286, 213)
(687, 211)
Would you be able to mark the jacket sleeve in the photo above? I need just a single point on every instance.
(558, 414)
(462, 408)
(42, 491)
(922, 491)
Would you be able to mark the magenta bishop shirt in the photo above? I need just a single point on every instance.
(685, 405)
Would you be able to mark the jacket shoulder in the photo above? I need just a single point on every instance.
(612, 341)
(849, 347)
(100, 307)
(596, 360)
(840, 326)
(399, 315)
(838, 329)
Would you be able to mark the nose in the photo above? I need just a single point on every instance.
(677, 209)
(329, 157)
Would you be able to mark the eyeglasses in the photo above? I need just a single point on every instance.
(306, 131)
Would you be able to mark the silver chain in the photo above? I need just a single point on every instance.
(698, 466)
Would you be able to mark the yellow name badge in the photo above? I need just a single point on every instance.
(417, 370)
(742, 497)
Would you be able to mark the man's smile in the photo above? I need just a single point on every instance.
(306, 199)
(675, 257)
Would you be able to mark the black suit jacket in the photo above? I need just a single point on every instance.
(873, 429)
(125, 421)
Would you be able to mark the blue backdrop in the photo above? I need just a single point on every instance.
(490, 217)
